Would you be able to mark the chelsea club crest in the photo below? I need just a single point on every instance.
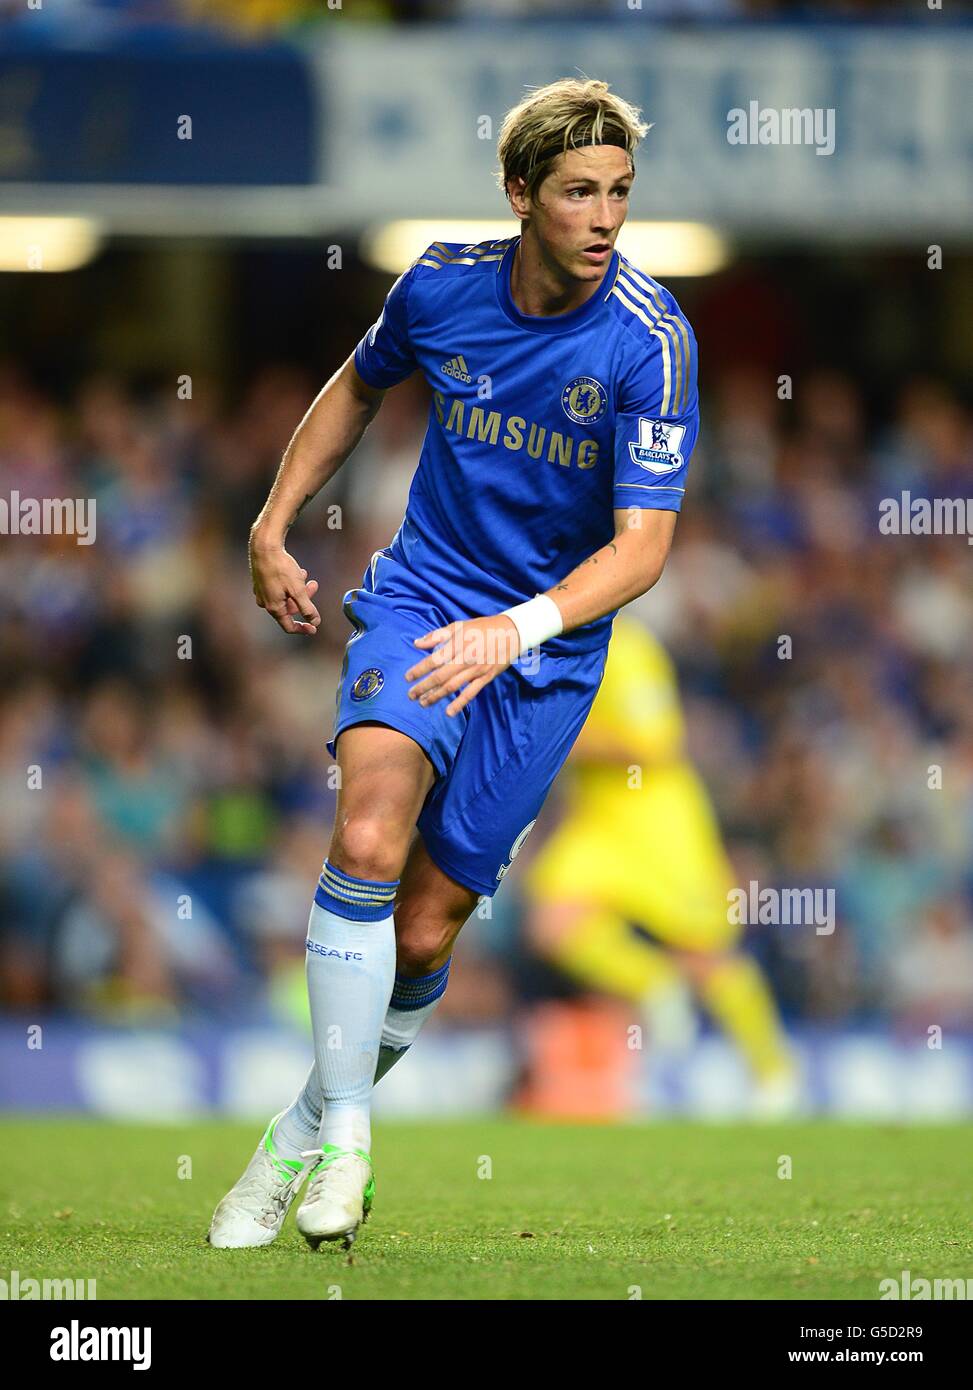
(369, 683)
(585, 400)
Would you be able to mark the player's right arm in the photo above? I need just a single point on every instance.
(322, 441)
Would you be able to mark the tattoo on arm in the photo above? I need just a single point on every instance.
(591, 560)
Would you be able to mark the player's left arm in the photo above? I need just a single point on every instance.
(623, 569)
(471, 653)
(656, 425)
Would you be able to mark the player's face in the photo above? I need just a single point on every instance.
(578, 210)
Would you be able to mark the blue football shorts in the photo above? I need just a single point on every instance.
(496, 759)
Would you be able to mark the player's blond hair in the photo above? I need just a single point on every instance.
(565, 115)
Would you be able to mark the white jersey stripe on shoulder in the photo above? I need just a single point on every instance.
(687, 349)
(663, 339)
(648, 284)
(470, 260)
(656, 305)
(438, 254)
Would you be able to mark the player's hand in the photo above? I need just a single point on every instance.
(284, 590)
(467, 656)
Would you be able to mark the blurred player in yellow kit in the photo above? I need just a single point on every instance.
(629, 894)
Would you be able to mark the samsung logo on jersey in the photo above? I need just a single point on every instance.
(514, 432)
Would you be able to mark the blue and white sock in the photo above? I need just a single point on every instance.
(411, 1004)
(298, 1126)
(350, 974)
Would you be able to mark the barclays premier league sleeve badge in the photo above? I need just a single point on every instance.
(658, 446)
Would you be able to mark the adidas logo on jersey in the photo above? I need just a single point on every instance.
(456, 368)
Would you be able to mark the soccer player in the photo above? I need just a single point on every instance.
(564, 412)
(630, 894)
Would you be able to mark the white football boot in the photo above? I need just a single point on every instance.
(255, 1208)
(340, 1191)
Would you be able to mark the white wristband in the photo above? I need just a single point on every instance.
(536, 620)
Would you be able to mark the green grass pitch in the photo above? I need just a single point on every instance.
(569, 1211)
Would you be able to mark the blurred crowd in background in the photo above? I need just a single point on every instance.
(259, 17)
(166, 796)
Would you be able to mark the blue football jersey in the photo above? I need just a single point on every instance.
(539, 426)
